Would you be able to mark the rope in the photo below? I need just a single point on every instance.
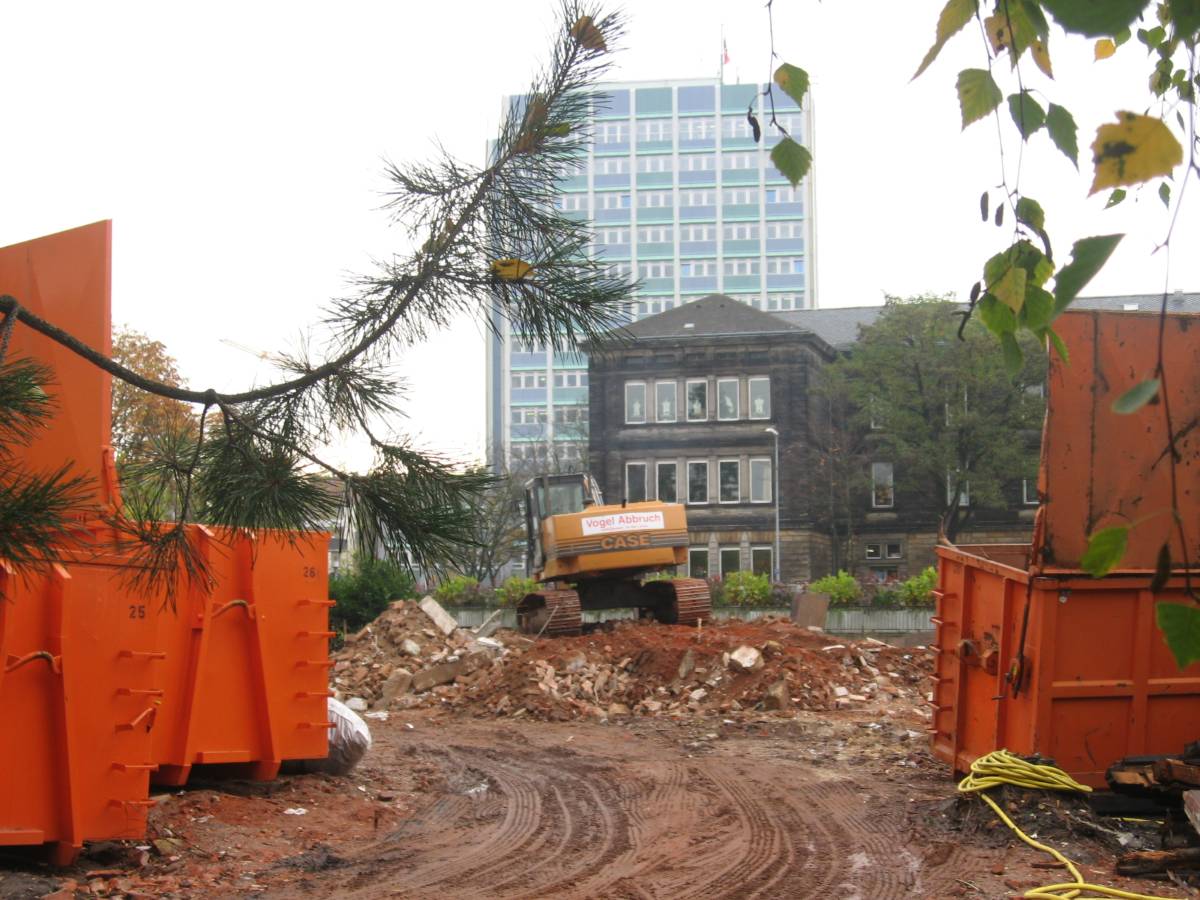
(1001, 767)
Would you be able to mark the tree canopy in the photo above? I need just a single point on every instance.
(959, 432)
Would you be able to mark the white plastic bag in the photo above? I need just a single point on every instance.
(349, 740)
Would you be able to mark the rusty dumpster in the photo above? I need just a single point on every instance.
(1035, 656)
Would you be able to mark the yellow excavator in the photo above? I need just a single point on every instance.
(590, 556)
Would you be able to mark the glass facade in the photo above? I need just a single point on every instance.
(685, 202)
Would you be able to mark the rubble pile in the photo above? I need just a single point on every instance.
(405, 659)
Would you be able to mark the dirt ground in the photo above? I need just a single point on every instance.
(807, 804)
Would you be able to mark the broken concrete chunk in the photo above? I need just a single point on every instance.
(358, 704)
(778, 696)
(687, 664)
(839, 691)
(746, 658)
(442, 619)
(443, 673)
(576, 662)
(410, 647)
(399, 682)
(618, 709)
(698, 694)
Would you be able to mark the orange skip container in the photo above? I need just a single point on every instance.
(247, 666)
(80, 684)
(1035, 656)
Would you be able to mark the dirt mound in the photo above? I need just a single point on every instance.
(404, 660)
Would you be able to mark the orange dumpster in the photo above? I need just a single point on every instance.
(247, 668)
(1068, 667)
(1035, 656)
(80, 673)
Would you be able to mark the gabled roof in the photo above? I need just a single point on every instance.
(837, 326)
(715, 314)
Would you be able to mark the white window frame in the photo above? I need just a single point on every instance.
(645, 493)
(721, 551)
(770, 551)
(1025, 485)
(737, 399)
(768, 462)
(707, 482)
(873, 550)
(687, 399)
(707, 561)
(891, 482)
(964, 496)
(674, 389)
(659, 467)
(737, 467)
(887, 550)
(750, 395)
(634, 384)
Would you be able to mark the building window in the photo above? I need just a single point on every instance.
(760, 480)
(741, 231)
(573, 202)
(964, 493)
(727, 398)
(874, 551)
(655, 164)
(698, 562)
(529, 415)
(760, 561)
(635, 402)
(695, 198)
(1029, 492)
(667, 473)
(654, 130)
(883, 489)
(785, 265)
(656, 234)
(664, 401)
(741, 266)
(698, 233)
(729, 479)
(635, 482)
(697, 481)
(739, 196)
(654, 199)
(777, 230)
(884, 574)
(697, 162)
(893, 550)
(697, 401)
(612, 201)
(760, 398)
(656, 270)
(697, 268)
(739, 161)
(731, 560)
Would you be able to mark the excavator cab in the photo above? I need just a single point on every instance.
(554, 495)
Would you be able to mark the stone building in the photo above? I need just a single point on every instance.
(686, 407)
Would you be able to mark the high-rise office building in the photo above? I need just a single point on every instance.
(682, 199)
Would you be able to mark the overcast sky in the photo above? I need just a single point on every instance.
(239, 148)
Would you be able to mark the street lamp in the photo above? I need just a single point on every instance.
(770, 429)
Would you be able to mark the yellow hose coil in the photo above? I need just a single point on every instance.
(1001, 767)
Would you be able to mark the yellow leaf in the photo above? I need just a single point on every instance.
(587, 35)
(1041, 56)
(1010, 289)
(1134, 149)
(510, 269)
(998, 33)
(1104, 49)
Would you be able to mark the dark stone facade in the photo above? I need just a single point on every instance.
(720, 340)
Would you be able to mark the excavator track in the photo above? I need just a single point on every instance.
(551, 614)
(692, 602)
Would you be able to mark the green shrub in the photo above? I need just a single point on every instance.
(842, 588)
(716, 591)
(747, 589)
(365, 591)
(918, 590)
(513, 588)
(460, 590)
(887, 598)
